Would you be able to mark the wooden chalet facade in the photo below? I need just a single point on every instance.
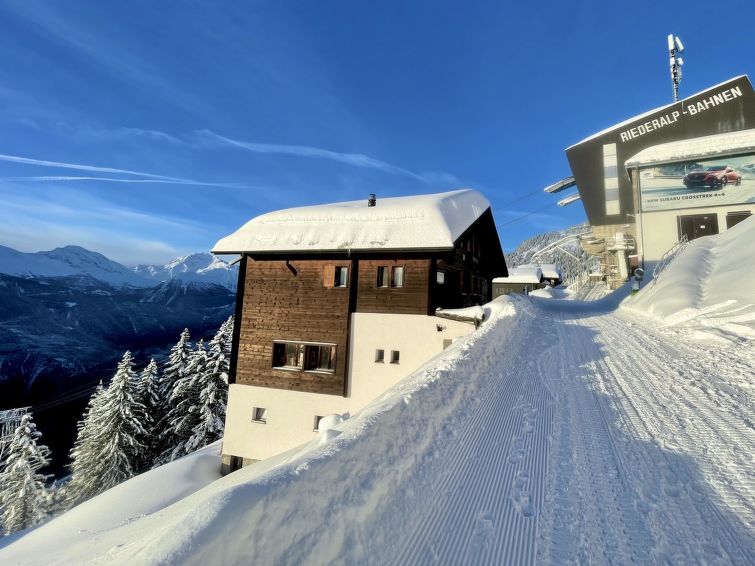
(307, 319)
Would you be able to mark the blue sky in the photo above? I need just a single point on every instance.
(146, 130)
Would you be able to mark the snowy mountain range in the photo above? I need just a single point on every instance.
(69, 314)
(77, 261)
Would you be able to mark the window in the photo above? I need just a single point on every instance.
(734, 218)
(341, 276)
(303, 356)
(394, 356)
(440, 277)
(397, 278)
(379, 356)
(237, 462)
(390, 276)
(288, 355)
(259, 415)
(447, 342)
(318, 418)
(382, 276)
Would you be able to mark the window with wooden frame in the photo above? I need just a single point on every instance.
(341, 277)
(302, 356)
(390, 276)
(336, 276)
(397, 276)
(383, 276)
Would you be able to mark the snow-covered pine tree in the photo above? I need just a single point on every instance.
(107, 449)
(227, 336)
(24, 499)
(183, 416)
(213, 391)
(173, 371)
(148, 394)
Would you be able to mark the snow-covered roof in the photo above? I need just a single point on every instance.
(432, 221)
(551, 270)
(729, 143)
(648, 113)
(522, 274)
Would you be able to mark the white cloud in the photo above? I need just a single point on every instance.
(354, 159)
(145, 177)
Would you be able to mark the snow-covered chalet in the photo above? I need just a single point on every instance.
(336, 303)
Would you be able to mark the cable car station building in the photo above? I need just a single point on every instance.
(682, 171)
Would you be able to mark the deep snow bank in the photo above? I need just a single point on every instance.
(68, 538)
(709, 289)
(327, 501)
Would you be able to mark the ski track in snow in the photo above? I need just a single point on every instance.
(615, 445)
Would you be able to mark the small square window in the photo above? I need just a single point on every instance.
(318, 418)
(341, 276)
(379, 356)
(447, 342)
(259, 415)
(394, 356)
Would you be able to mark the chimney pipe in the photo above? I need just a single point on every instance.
(372, 201)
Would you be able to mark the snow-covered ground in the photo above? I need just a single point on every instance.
(560, 432)
(708, 292)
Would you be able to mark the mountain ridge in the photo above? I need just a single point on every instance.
(72, 260)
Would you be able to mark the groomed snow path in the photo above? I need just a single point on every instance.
(594, 439)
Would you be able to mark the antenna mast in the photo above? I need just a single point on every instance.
(675, 48)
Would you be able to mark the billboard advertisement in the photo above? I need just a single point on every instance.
(691, 184)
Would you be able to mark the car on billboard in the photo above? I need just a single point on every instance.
(713, 176)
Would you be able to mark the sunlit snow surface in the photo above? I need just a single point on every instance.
(560, 432)
(433, 221)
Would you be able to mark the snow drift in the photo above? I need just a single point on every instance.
(708, 290)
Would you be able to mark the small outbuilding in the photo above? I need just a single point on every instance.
(521, 279)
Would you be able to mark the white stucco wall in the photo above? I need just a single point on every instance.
(290, 415)
(415, 337)
(660, 232)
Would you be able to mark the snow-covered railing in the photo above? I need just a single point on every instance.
(668, 257)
